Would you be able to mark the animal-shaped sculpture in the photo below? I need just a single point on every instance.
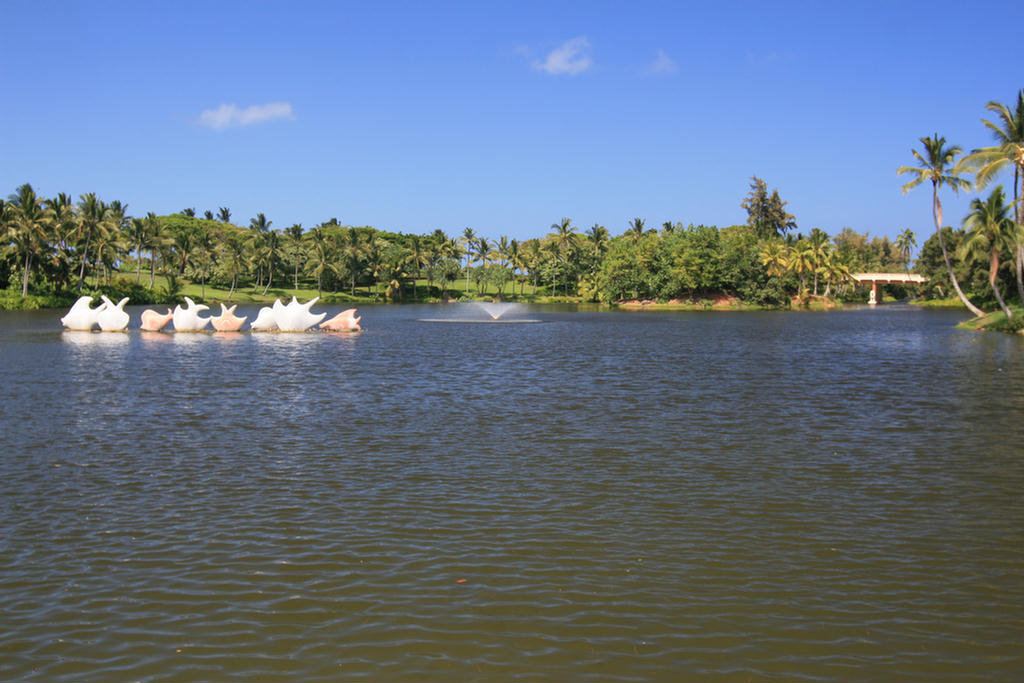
(346, 321)
(81, 316)
(227, 321)
(153, 321)
(295, 317)
(113, 317)
(264, 321)
(187, 319)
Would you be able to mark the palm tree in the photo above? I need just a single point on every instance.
(294, 233)
(321, 256)
(158, 241)
(93, 221)
(138, 238)
(774, 256)
(224, 215)
(234, 249)
(801, 260)
(990, 231)
(417, 258)
(564, 239)
(834, 270)
(936, 165)
(190, 212)
(30, 220)
(208, 215)
(636, 229)
(352, 250)
(1009, 134)
(905, 243)
(819, 247)
(467, 241)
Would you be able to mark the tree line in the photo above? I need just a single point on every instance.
(58, 246)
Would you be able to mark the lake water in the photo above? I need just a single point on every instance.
(598, 497)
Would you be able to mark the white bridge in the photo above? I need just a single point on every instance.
(887, 279)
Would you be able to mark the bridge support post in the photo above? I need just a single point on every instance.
(873, 299)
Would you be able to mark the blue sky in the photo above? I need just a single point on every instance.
(503, 117)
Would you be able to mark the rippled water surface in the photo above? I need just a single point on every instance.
(596, 497)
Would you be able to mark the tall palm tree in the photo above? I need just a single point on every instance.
(158, 241)
(93, 221)
(189, 211)
(564, 239)
(417, 258)
(27, 231)
(1009, 151)
(234, 251)
(137, 235)
(801, 260)
(990, 231)
(321, 256)
(352, 249)
(819, 247)
(936, 166)
(905, 243)
(294, 233)
(467, 241)
(224, 215)
(208, 215)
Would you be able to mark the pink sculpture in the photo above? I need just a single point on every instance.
(227, 321)
(153, 321)
(346, 321)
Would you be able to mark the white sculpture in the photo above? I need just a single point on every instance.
(153, 321)
(227, 321)
(344, 321)
(113, 317)
(187, 319)
(295, 317)
(81, 316)
(264, 321)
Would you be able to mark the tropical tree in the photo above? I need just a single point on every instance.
(564, 236)
(818, 241)
(1008, 152)
(801, 260)
(636, 229)
(467, 241)
(208, 215)
(190, 212)
(990, 230)
(294, 233)
(936, 166)
(28, 225)
(774, 256)
(224, 215)
(905, 243)
(234, 251)
(94, 221)
(321, 256)
(137, 236)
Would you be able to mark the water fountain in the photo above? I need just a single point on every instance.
(497, 312)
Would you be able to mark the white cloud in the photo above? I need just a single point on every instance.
(227, 115)
(571, 57)
(663, 65)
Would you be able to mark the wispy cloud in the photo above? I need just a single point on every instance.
(663, 65)
(571, 57)
(227, 115)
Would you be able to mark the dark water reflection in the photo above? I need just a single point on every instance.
(600, 497)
